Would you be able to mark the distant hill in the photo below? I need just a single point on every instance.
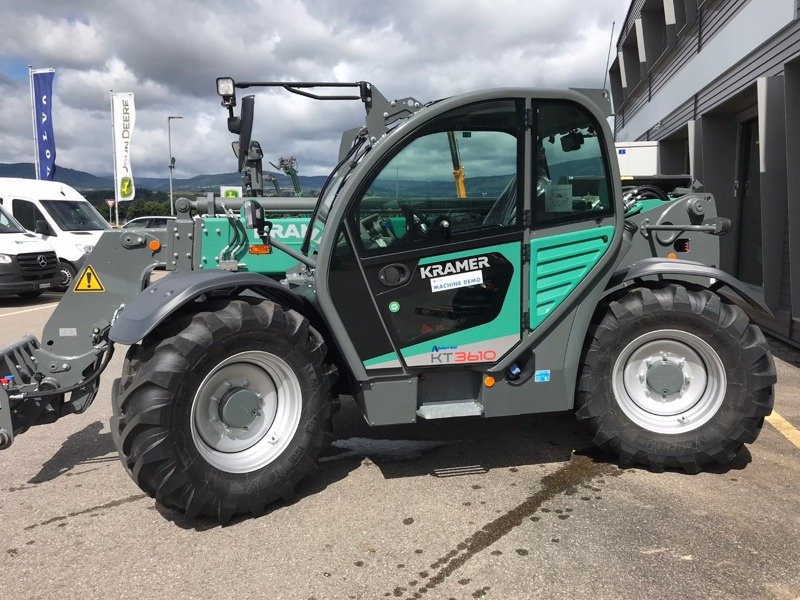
(83, 181)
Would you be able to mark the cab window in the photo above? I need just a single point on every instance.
(26, 213)
(457, 176)
(570, 166)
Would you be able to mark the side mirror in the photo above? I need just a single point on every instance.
(254, 216)
(42, 227)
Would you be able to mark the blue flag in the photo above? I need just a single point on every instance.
(43, 122)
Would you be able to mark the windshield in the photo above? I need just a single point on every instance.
(75, 215)
(8, 224)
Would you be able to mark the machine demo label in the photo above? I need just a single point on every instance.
(455, 274)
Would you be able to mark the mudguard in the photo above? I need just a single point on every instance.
(157, 302)
(666, 268)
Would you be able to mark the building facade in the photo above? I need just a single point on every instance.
(717, 84)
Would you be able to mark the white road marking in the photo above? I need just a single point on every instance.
(19, 312)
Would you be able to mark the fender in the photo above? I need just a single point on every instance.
(665, 268)
(157, 302)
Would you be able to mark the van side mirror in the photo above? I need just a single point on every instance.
(42, 227)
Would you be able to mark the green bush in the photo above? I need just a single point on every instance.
(147, 208)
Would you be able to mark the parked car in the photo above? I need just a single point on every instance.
(58, 214)
(28, 265)
(148, 223)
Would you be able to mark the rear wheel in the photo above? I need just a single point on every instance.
(674, 376)
(224, 411)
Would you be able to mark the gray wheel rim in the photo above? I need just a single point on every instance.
(270, 388)
(669, 381)
(66, 276)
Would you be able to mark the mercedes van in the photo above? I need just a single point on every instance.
(58, 214)
(28, 265)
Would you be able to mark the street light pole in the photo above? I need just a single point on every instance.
(171, 160)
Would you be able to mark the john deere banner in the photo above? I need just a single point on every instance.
(42, 95)
(124, 118)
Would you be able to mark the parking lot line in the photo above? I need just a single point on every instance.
(786, 428)
(19, 312)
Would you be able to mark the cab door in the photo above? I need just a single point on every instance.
(427, 270)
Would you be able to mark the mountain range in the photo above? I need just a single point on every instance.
(84, 181)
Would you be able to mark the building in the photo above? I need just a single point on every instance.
(717, 84)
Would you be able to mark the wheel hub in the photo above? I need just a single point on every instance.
(669, 381)
(665, 377)
(245, 411)
(239, 408)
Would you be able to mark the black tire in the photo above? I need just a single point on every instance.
(67, 272)
(745, 358)
(152, 404)
(30, 295)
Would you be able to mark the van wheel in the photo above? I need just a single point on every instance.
(674, 376)
(67, 272)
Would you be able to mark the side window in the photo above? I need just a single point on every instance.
(26, 213)
(571, 178)
(458, 175)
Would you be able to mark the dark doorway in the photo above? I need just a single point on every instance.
(748, 196)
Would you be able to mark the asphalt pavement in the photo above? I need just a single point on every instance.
(506, 508)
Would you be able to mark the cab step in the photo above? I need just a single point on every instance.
(445, 410)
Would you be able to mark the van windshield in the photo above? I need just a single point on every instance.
(8, 224)
(75, 215)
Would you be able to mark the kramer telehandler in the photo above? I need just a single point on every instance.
(517, 279)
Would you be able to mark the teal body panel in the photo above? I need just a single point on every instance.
(559, 263)
(218, 233)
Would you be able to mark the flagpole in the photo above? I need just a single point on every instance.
(33, 122)
(114, 151)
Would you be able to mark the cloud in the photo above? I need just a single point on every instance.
(169, 54)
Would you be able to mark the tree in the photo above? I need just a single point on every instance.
(147, 208)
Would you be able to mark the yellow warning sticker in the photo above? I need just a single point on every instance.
(89, 282)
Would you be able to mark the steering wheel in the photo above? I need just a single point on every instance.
(377, 230)
(417, 225)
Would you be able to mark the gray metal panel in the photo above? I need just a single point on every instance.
(389, 402)
(719, 172)
(772, 158)
(792, 102)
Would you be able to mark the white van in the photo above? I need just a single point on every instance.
(28, 265)
(58, 214)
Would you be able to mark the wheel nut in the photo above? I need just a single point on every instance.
(228, 384)
(245, 383)
(214, 419)
(227, 431)
(215, 400)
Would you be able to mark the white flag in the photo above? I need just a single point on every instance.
(124, 116)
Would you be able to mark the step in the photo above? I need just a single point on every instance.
(444, 410)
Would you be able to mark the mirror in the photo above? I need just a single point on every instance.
(42, 227)
(235, 147)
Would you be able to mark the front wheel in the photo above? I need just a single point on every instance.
(66, 275)
(224, 411)
(674, 376)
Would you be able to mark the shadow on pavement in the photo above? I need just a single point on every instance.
(84, 447)
(442, 448)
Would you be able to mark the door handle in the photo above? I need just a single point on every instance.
(394, 275)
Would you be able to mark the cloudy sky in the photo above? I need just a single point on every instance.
(169, 54)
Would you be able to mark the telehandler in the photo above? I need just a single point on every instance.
(472, 256)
